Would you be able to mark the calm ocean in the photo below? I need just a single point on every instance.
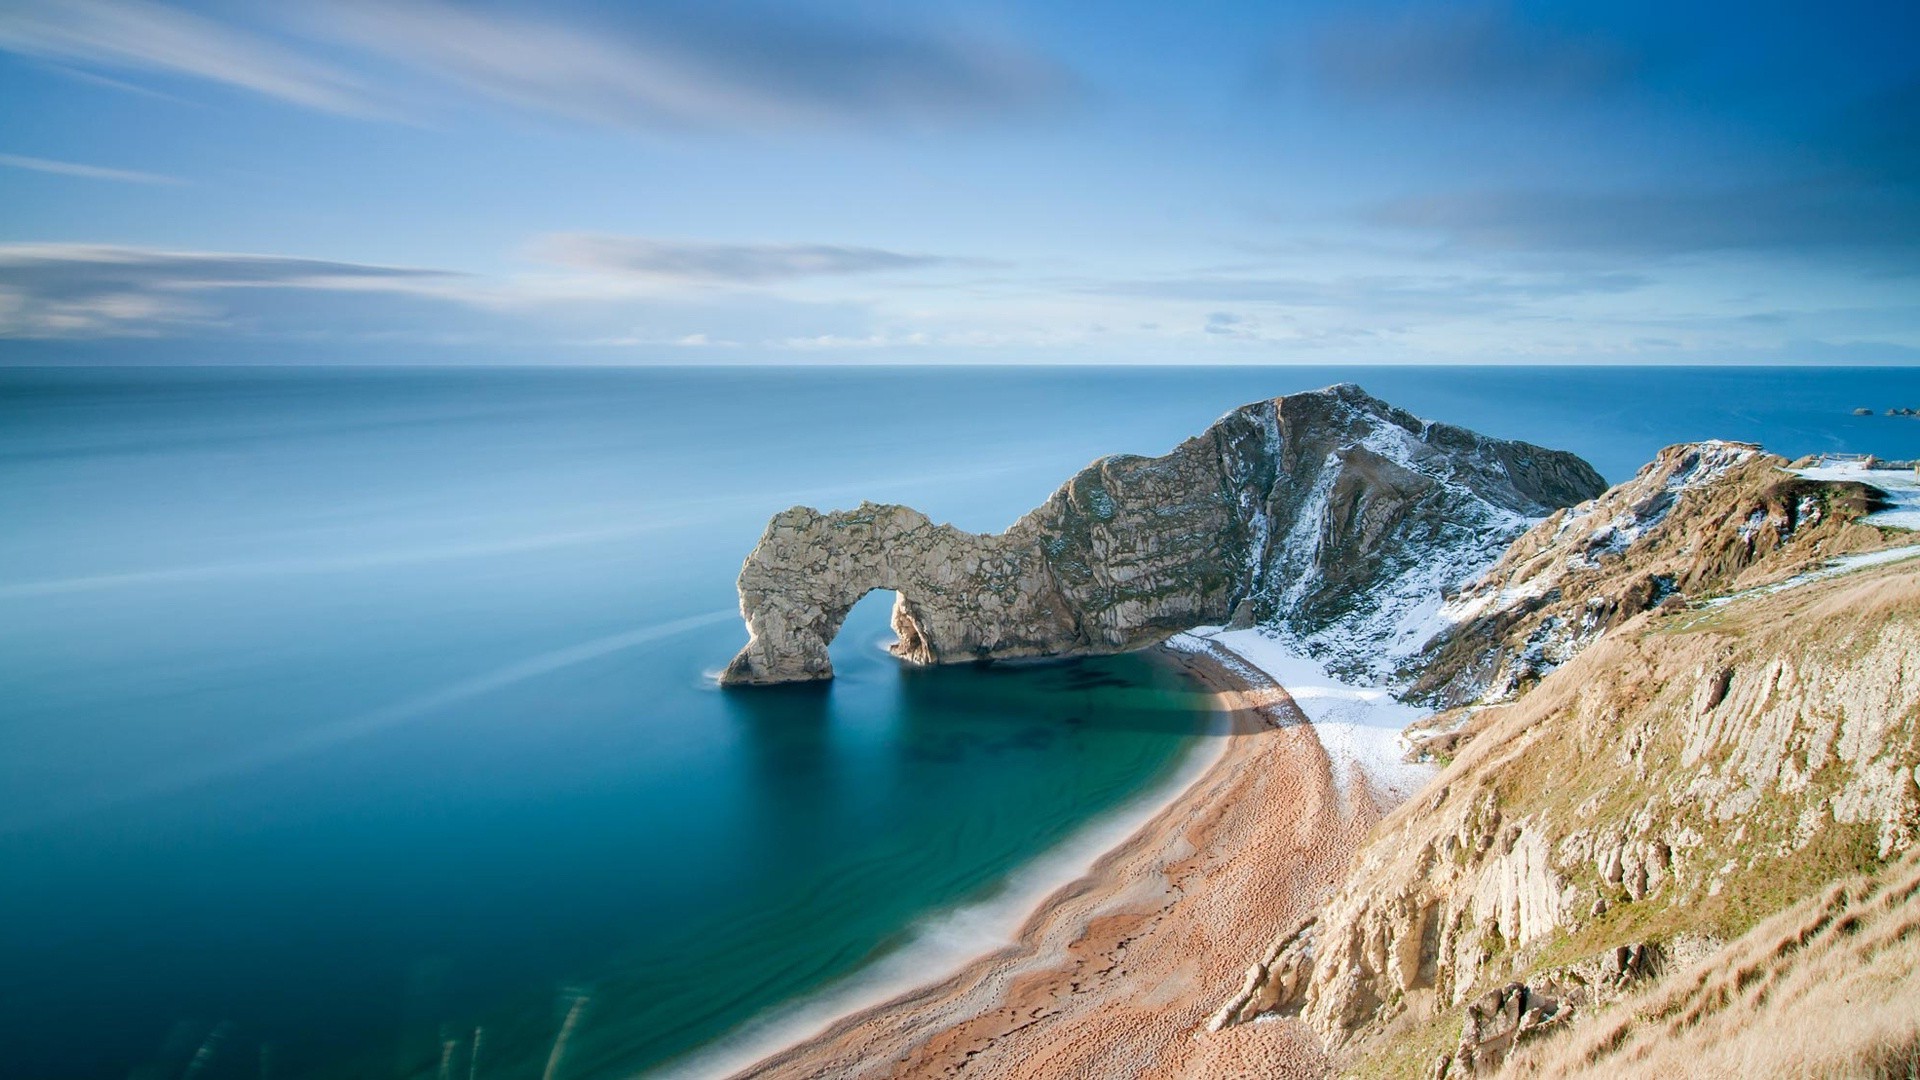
(344, 713)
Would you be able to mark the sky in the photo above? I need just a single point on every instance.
(1007, 181)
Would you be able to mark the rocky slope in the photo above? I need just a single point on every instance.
(1330, 516)
(1700, 519)
(1680, 720)
(1826, 988)
(1680, 727)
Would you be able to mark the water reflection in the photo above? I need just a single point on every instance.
(1134, 692)
(787, 745)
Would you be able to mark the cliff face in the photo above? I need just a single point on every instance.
(1700, 519)
(1674, 723)
(1682, 727)
(1329, 515)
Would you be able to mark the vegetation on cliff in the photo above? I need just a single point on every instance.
(1676, 733)
(1680, 720)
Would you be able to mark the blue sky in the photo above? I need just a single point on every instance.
(590, 183)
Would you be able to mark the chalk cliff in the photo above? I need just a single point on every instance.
(1330, 515)
(1680, 726)
(1682, 721)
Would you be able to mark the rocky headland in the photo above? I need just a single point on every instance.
(1674, 729)
(1697, 768)
(1330, 514)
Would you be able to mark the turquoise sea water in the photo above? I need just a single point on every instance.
(343, 712)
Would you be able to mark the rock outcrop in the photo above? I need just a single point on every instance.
(1700, 519)
(1328, 515)
(1683, 723)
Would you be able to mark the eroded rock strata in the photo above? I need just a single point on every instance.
(1700, 519)
(1328, 515)
(1679, 720)
(1684, 777)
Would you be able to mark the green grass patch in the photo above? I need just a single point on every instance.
(1409, 1052)
(1837, 851)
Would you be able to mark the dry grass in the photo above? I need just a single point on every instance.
(1827, 988)
(1822, 979)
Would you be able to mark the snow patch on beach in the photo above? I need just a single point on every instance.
(1360, 726)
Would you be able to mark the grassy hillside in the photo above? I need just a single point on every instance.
(1622, 845)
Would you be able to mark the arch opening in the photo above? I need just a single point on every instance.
(909, 640)
(880, 619)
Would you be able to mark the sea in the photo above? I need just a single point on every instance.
(361, 722)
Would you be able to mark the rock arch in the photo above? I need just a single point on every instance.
(1312, 510)
(955, 593)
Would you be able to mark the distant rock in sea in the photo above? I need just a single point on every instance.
(1330, 516)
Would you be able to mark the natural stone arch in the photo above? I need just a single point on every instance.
(903, 616)
(1284, 511)
(954, 591)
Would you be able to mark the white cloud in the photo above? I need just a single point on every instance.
(713, 65)
(95, 290)
(703, 262)
(140, 36)
(84, 172)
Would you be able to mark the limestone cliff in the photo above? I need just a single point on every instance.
(1684, 725)
(1328, 515)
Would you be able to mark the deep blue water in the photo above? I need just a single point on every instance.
(343, 712)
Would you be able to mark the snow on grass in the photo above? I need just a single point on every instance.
(1706, 462)
(1901, 485)
(1832, 568)
(1359, 726)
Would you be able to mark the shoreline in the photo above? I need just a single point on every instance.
(905, 972)
(1117, 970)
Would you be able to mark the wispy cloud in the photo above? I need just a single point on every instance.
(85, 172)
(715, 65)
(1228, 324)
(705, 263)
(90, 290)
(1384, 294)
(134, 35)
(78, 292)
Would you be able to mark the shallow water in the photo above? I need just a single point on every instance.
(345, 712)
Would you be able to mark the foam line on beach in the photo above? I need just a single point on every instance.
(944, 943)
